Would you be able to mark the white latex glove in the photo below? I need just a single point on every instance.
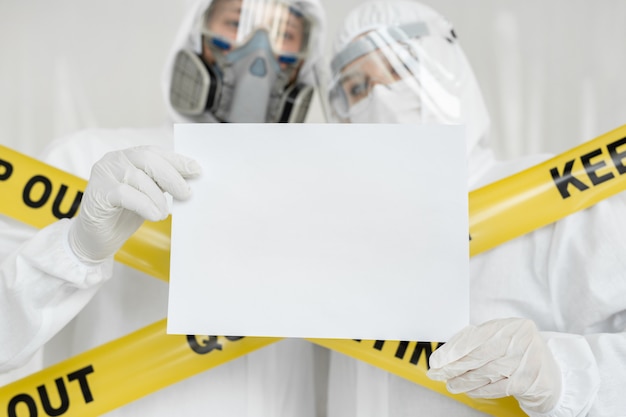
(500, 358)
(125, 188)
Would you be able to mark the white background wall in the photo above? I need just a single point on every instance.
(553, 72)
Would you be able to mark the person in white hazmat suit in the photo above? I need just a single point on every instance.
(232, 61)
(548, 308)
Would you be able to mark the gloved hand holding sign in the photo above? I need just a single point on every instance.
(125, 188)
(500, 358)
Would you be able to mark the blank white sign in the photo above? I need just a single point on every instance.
(322, 230)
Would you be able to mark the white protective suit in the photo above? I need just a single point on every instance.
(569, 278)
(43, 286)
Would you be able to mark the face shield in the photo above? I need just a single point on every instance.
(400, 74)
(229, 24)
(251, 53)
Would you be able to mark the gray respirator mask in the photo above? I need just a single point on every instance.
(245, 85)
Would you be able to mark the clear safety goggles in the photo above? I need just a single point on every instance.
(228, 24)
(426, 66)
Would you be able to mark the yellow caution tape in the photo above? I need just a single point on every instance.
(119, 372)
(499, 212)
(545, 193)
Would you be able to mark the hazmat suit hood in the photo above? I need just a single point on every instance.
(189, 37)
(381, 14)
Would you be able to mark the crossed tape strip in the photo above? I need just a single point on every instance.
(147, 360)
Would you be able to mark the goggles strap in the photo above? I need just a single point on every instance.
(365, 45)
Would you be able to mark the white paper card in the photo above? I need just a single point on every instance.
(322, 230)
